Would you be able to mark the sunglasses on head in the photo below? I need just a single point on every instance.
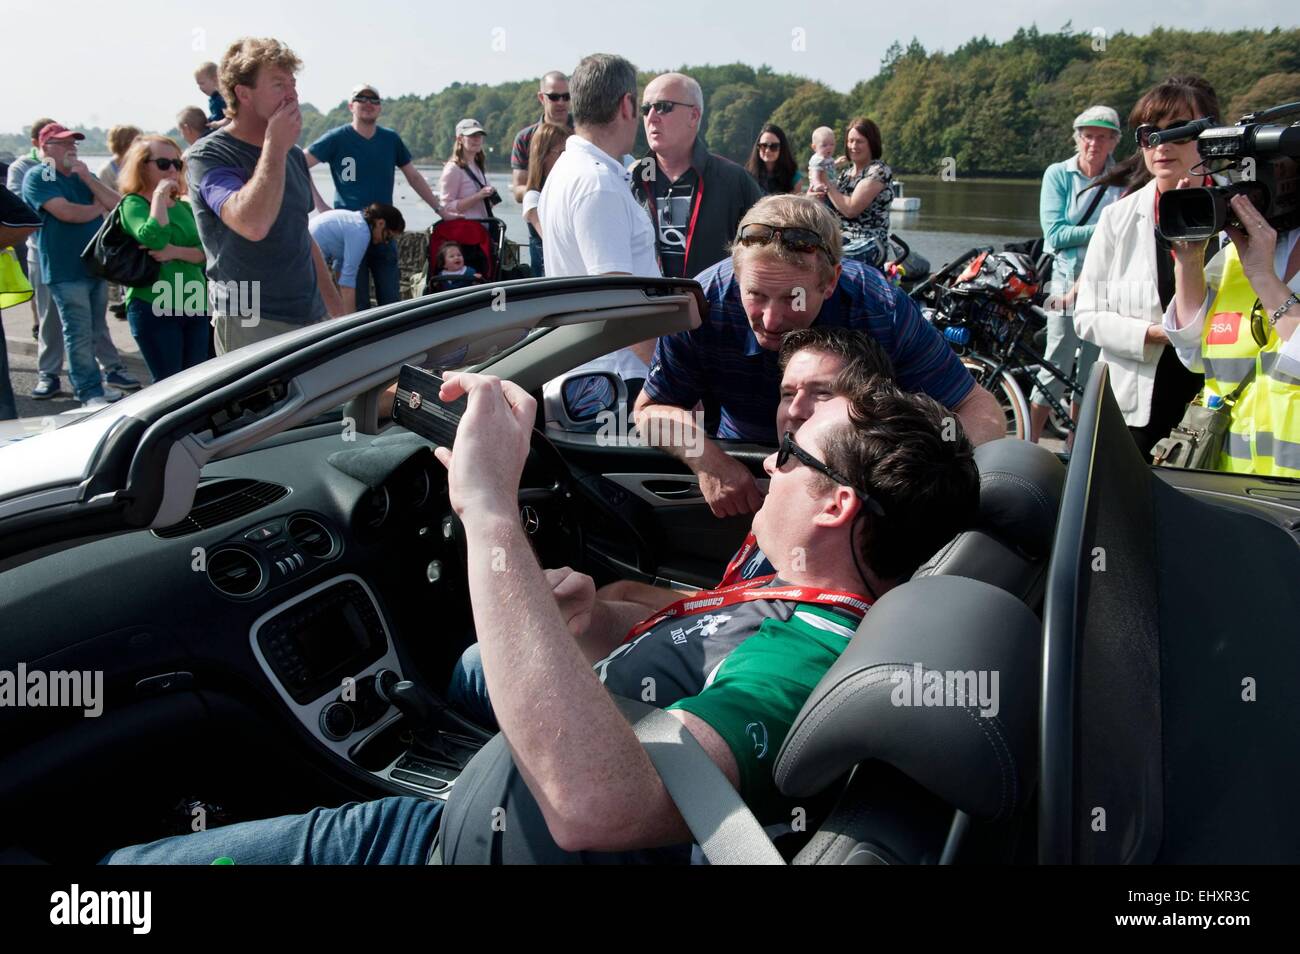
(364, 98)
(769, 147)
(796, 240)
(790, 449)
(1143, 133)
(165, 164)
(557, 97)
(662, 106)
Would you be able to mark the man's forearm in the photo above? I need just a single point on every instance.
(106, 197)
(75, 213)
(325, 282)
(675, 431)
(422, 188)
(577, 753)
(519, 184)
(253, 209)
(982, 418)
(611, 620)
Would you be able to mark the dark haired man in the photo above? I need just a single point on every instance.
(361, 156)
(345, 237)
(574, 782)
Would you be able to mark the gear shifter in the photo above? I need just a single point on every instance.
(424, 709)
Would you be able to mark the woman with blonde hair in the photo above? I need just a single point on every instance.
(547, 146)
(463, 187)
(168, 318)
(119, 141)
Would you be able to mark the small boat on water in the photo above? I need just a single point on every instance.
(903, 203)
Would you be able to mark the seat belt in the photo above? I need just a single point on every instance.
(723, 826)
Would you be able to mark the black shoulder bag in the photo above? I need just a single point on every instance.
(116, 255)
(1034, 247)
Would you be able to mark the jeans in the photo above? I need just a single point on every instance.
(389, 831)
(467, 692)
(381, 262)
(81, 303)
(535, 253)
(49, 347)
(168, 344)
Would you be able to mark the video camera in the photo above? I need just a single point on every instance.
(1259, 157)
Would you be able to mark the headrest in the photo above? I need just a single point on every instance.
(941, 681)
(1020, 493)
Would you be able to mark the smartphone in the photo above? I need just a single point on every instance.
(419, 409)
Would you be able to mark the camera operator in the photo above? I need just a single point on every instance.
(464, 189)
(1238, 315)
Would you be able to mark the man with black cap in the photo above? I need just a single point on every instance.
(361, 156)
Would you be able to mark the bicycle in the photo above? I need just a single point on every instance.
(983, 303)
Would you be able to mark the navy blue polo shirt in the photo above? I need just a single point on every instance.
(362, 169)
(723, 361)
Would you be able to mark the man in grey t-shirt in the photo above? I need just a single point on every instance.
(252, 194)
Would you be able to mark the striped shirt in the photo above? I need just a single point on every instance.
(721, 362)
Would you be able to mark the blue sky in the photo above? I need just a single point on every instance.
(132, 61)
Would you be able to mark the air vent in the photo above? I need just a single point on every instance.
(310, 536)
(234, 572)
(222, 500)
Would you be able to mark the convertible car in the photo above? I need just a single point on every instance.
(262, 579)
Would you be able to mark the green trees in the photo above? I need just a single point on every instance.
(992, 108)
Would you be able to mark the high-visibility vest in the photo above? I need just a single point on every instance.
(1264, 434)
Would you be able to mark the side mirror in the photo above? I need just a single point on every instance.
(577, 402)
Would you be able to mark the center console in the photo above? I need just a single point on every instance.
(330, 656)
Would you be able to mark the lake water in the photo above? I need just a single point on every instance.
(954, 215)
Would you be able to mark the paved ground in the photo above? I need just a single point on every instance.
(22, 362)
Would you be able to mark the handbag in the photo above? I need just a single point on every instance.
(1197, 441)
(116, 255)
(14, 286)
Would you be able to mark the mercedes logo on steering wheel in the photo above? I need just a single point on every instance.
(528, 517)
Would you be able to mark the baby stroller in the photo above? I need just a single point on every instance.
(483, 243)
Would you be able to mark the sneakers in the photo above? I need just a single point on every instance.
(46, 388)
(120, 379)
(108, 397)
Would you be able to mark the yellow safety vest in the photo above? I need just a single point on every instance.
(1264, 434)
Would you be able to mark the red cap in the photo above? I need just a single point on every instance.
(56, 131)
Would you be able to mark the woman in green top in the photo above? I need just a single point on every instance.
(168, 318)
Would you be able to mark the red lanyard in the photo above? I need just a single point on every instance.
(742, 555)
(697, 201)
(708, 601)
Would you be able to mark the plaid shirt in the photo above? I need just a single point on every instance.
(721, 361)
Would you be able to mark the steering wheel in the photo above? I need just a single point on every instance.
(549, 509)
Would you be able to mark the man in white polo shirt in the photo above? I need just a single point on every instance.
(591, 223)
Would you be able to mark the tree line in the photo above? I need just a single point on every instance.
(986, 108)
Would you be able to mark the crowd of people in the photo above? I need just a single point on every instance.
(235, 214)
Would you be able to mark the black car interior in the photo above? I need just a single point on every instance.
(287, 645)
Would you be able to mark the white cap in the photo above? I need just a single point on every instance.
(364, 88)
(468, 127)
(1102, 116)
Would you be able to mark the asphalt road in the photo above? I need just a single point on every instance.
(22, 362)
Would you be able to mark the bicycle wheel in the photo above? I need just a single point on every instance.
(1004, 388)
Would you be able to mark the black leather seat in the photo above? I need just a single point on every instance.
(1020, 496)
(929, 781)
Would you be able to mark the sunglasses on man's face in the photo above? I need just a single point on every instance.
(790, 449)
(663, 107)
(165, 164)
(372, 100)
(1143, 133)
(796, 240)
(557, 97)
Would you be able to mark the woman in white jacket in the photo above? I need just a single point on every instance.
(1127, 280)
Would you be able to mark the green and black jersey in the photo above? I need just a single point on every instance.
(746, 669)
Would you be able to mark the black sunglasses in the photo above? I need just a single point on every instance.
(1143, 133)
(664, 106)
(363, 98)
(165, 164)
(790, 449)
(769, 146)
(557, 97)
(1260, 328)
(796, 240)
